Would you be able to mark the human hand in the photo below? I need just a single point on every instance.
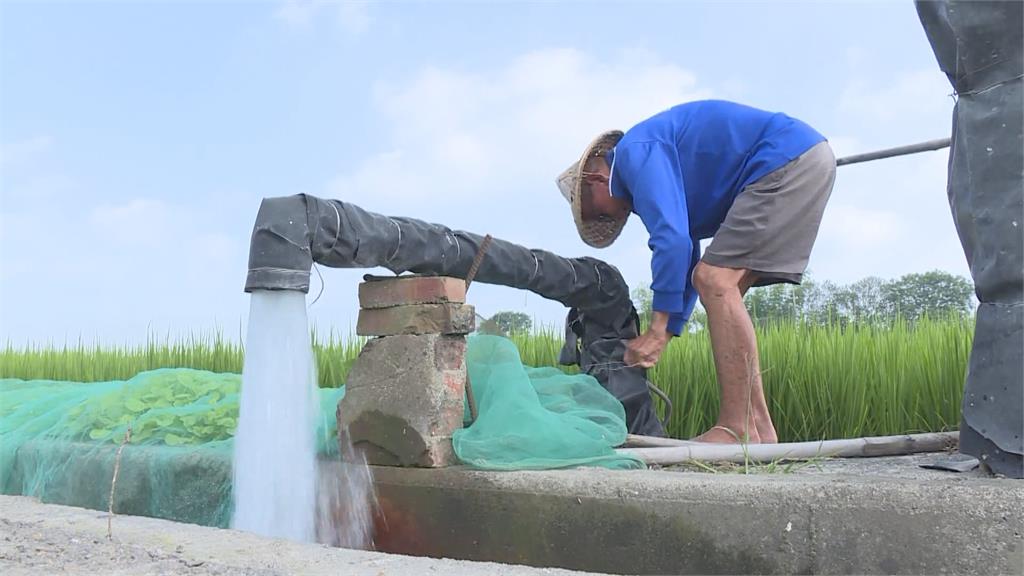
(645, 350)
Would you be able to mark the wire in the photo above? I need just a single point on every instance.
(319, 294)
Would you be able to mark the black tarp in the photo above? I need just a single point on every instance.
(978, 46)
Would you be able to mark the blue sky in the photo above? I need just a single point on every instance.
(137, 139)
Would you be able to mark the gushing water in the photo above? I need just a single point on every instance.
(275, 450)
(347, 501)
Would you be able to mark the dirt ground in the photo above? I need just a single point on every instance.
(31, 548)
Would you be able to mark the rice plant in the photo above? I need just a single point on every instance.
(81, 363)
(822, 381)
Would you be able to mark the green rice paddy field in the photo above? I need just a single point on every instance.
(821, 381)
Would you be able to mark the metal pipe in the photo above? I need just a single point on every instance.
(898, 151)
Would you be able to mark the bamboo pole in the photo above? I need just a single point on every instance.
(640, 441)
(667, 453)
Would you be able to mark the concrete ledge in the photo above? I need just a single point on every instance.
(675, 523)
(887, 517)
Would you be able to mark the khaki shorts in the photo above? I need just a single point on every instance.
(773, 223)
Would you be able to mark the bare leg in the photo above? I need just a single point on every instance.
(743, 413)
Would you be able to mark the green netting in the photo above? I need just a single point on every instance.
(59, 440)
(536, 418)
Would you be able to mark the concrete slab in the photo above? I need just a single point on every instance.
(45, 539)
(646, 522)
(855, 516)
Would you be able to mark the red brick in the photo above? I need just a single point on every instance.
(411, 290)
(417, 319)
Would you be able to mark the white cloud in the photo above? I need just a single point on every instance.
(36, 187)
(477, 134)
(461, 144)
(480, 151)
(110, 272)
(845, 145)
(889, 217)
(28, 174)
(138, 218)
(382, 174)
(909, 101)
(297, 12)
(352, 16)
(861, 228)
(164, 237)
(24, 151)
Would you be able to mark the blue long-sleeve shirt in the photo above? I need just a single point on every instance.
(681, 170)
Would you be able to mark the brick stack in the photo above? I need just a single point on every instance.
(404, 394)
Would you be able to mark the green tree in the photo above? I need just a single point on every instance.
(779, 302)
(864, 300)
(870, 300)
(928, 294)
(643, 300)
(698, 320)
(511, 322)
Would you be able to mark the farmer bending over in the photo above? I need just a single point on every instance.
(755, 182)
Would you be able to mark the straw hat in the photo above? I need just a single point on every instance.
(598, 233)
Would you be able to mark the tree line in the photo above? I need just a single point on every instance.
(871, 300)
